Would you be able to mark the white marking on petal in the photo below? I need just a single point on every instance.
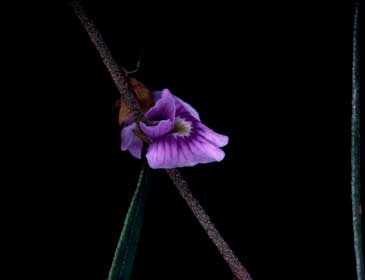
(181, 127)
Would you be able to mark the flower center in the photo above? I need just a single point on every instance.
(181, 127)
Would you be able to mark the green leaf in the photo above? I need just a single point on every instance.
(127, 246)
(356, 146)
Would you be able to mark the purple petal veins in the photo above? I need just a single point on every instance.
(178, 137)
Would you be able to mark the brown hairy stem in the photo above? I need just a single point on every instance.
(117, 72)
(234, 264)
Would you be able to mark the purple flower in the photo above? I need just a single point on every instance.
(178, 138)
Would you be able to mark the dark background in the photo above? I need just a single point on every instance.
(274, 77)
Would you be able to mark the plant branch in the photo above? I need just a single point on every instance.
(236, 267)
(117, 72)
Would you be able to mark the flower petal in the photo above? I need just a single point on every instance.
(158, 130)
(130, 141)
(188, 107)
(179, 103)
(171, 152)
(164, 109)
(161, 116)
(215, 138)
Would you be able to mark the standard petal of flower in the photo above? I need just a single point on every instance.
(131, 142)
(173, 152)
(164, 109)
(188, 107)
(179, 103)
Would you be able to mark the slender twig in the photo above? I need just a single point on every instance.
(117, 72)
(236, 267)
(355, 148)
(120, 78)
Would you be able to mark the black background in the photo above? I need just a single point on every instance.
(274, 77)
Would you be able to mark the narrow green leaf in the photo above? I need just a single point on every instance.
(355, 147)
(127, 246)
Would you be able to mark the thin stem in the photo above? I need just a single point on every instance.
(355, 149)
(117, 72)
(236, 267)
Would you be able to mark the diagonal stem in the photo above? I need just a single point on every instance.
(355, 149)
(234, 264)
(120, 78)
(117, 72)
